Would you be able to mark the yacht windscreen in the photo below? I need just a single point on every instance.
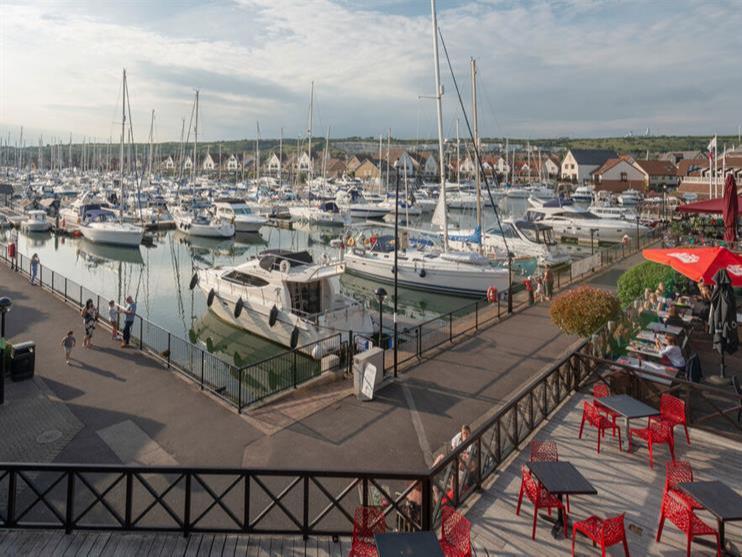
(244, 279)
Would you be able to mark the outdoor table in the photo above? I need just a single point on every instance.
(684, 315)
(408, 544)
(628, 408)
(660, 373)
(561, 478)
(644, 349)
(719, 499)
(646, 335)
(662, 328)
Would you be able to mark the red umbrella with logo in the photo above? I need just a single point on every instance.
(730, 209)
(699, 263)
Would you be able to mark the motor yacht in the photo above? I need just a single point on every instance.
(285, 297)
(615, 213)
(35, 221)
(630, 197)
(200, 222)
(326, 213)
(584, 194)
(238, 212)
(353, 201)
(103, 228)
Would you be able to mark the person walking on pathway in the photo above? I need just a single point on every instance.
(130, 312)
(68, 342)
(34, 268)
(113, 317)
(89, 316)
(548, 283)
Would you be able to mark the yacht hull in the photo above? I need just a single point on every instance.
(118, 236)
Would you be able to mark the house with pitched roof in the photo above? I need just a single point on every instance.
(620, 174)
(579, 164)
(660, 173)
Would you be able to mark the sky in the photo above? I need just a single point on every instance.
(577, 68)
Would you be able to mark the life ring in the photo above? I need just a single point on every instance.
(273, 316)
(350, 243)
(294, 337)
(194, 281)
(284, 266)
(492, 294)
(238, 308)
(210, 297)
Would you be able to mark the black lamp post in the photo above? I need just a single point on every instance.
(380, 295)
(664, 204)
(5, 305)
(637, 233)
(592, 236)
(396, 272)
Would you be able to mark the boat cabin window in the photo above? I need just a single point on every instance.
(585, 216)
(306, 297)
(244, 279)
(507, 231)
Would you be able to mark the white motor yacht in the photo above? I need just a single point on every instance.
(608, 212)
(359, 208)
(584, 194)
(104, 229)
(285, 297)
(35, 221)
(202, 223)
(238, 212)
(630, 197)
(574, 223)
(326, 213)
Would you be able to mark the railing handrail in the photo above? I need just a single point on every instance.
(298, 349)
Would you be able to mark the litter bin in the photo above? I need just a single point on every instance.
(22, 360)
(368, 371)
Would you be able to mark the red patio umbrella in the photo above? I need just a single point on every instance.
(731, 208)
(699, 263)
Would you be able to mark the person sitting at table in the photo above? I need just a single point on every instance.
(660, 292)
(703, 304)
(671, 353)
(673, 318)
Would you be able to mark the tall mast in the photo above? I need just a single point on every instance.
(477, 162)
(121, 152)
(311, 122)
(195, 140)
(151, 134)
(280, 156)
(324, 156)
(257, 152)
(458, 154)
(388, 148)
(439, 109)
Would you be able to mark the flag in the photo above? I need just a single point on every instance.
(711, 145)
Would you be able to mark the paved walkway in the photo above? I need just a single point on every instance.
(115, 392)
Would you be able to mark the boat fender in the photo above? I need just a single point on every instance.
(325, 259)
(273, 316)
(351, 242)
(194, 281)
(394, 269)
(294, 337)
(317, 352)
(284, 266)
(422, 273)
(210, 297)
(238, 308)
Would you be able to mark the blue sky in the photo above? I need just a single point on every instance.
(546, 68)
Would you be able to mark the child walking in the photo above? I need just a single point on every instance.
(68, 342)
(113, 317)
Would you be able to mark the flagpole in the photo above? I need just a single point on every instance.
(708, 156)
(716, 166)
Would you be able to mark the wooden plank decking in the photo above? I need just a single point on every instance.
(624, 481)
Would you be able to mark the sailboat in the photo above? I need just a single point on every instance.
(461, 273)
(105, 228)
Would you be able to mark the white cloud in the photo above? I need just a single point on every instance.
(546, 68)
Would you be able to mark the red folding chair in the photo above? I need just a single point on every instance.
(672, 412)
(656, 432)
(367, 521)
(455, 534)
(676, 511)
(592, 416)
(605, 533)
(540, 498)
(679, 472)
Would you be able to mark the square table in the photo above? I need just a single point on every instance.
(658, 327)
(717, 498)
(628, 408)
(561, 478)
(660, 373)
(408, 544)
(648, 350)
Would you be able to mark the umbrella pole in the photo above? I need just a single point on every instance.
(723, 366)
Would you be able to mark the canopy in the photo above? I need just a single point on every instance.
(699, 263)
(708, 206)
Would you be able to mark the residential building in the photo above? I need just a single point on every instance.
(168, 164)
(660, 173)
(208, 163)
(620, 174)
(579, 164)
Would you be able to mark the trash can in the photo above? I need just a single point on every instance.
(368, 371)
(22, 360)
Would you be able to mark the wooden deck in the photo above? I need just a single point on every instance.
(625, 483)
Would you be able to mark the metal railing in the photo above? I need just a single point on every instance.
(237, 386)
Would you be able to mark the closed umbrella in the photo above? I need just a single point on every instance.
(723, 317)
(731, 207)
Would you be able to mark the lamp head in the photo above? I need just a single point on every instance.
(380, 293)
(5, 304)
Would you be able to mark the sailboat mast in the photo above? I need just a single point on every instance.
(151, 133)
(121, 152)
(280, 156)
(439, 109)
(311, 122)
(477, 176)
(257, 151)
(195, 140)
(458, 154)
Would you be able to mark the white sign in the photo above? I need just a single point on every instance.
(736, 270)
(685, 257)
(369, 378)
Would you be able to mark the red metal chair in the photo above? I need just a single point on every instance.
(367, 521)
(592, 415)
(677, 473)
(682, 516)
(672, 411)
(540, 498)
(606, 532)
(601, 390)
(455, 534)
(655, 433)
(545, 451)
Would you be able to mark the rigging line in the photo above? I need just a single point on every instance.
(476, 147)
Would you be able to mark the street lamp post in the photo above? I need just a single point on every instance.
(637, 233)
(664, 204)
(592, 243)
(396, 252)
(5, 305)
(380, 295)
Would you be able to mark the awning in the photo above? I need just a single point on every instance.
(709, 206)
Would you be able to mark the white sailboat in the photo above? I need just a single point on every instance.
(105, 229)
(460, 273)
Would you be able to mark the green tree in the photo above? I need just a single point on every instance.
(632, 283)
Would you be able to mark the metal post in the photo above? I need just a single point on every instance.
(305, 513)
(202, 370)
(187, 506)
(450, 327)
(476, 315)
(141, 333)
(294, 370)
(10, 515)
(427, 510)
(65, 289)
(70, 504)
(239, 391)
(396, 271)
(168, 349)
(128, 502)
